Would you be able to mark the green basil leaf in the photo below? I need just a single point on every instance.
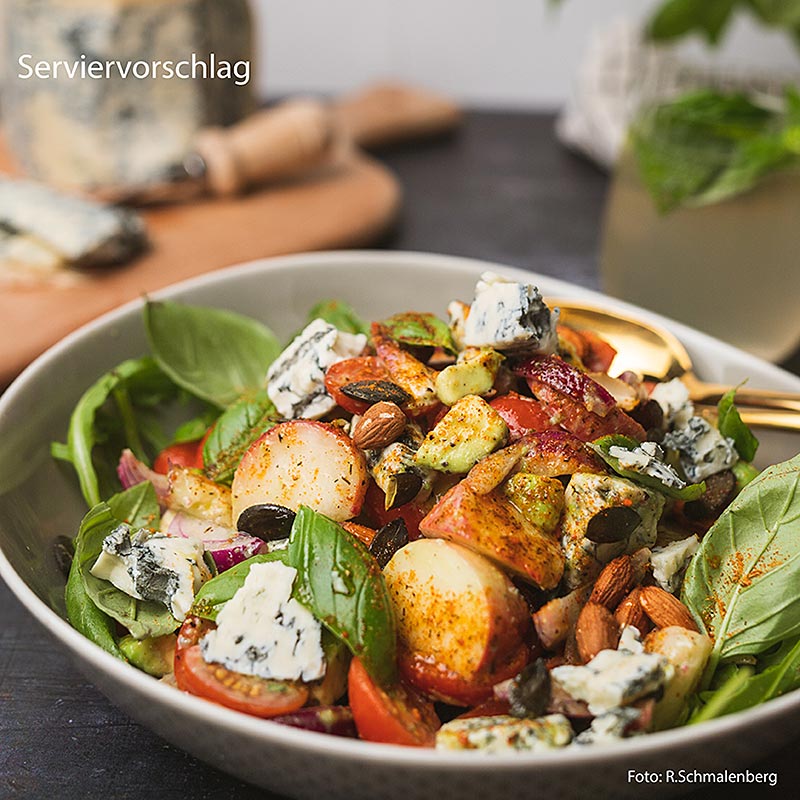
(742, 582)
(86, 617)
(195, 428)
(138, 506)
(780, 13)
(88, 427)
(141, 617)
(425, 330)
(342, 585)
(745, 473)
(778, 674)
(340, 315)
(215, 355)
(602, 445)
(676, 18)
(213, 594)
(730, 424)
(234, 432)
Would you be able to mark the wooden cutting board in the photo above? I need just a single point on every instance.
(349, 206)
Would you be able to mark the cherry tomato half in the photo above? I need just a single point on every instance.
(247, 693)
(392, 716)
(522, 414)
(361, 368)
(183, 454)
(411, 513)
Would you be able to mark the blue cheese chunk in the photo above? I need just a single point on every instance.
(511, 317)
(669, 562)
(630, 639)
(614, 678)
(673, 397)
(296, 379)
(165, 569)
(504, 734)
(610, 727)
(263, 631)
(648, 459)
(702, 449)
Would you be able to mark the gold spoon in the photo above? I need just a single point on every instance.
(656, 354)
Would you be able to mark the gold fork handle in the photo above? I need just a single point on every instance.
(710, 394)
(785, 420)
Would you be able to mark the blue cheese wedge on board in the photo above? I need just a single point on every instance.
(44, 230)
(264, 631)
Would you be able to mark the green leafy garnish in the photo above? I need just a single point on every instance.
(237, 428)
(135, 382)
(215, 355)
(340, 315)
(137, 506)
(602, 446)
(742, 582)
(707, 146)
(425, 330)
(196, 427)
(730, 424)
(342, 585)
(213, 594)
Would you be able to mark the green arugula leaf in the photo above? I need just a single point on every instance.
(425, 330)
(134, 381)
(215, 355)
(234, 432)
(141, 617)
(730, 424)
(340, 315)
(602, 446)
(742, 582)
(342, 585)
(213, 594)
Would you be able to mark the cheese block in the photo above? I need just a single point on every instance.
(111, 131)
(42, 231)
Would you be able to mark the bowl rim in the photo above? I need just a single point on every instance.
(330, 746)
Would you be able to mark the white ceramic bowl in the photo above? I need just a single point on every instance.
(39, 500)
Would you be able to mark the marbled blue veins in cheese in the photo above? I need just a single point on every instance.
(505, 734)
(610, 727)
(702, 449)
(669, 562)
(263, 631)
(165, 569)
(614, 678)
(648, 459)
(296, 379)
(511, 317)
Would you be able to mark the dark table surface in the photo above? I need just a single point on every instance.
(502, 190)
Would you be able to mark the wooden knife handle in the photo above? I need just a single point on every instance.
(268, 146)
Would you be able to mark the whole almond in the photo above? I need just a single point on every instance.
(613, 582)
(665, 609)
(380, 425)
(630, 612)
(596, 630)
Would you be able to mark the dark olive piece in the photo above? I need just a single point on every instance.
(529, 693)
(403, 488)
(388, 540)
(612, 525)
(649, 415)
(376, 392)
(63, 552)
(720, 490)
(266, 521)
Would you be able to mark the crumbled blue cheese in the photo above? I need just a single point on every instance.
(630, 639)
(647, 459)
(296, 379)
(588, 494)
(614, 678)
(610, 727)
(510, 316)
(673, 397)
(264, 631)
(504, 734)
(702, 449)
(166, 569)
(669, 562)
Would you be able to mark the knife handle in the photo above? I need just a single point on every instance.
(269, 146)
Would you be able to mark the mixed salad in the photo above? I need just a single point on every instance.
(462, 534)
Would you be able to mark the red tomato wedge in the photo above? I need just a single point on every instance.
(522, 414)
(183, 454)
(247, 693)
(391, 716)
(362, 368)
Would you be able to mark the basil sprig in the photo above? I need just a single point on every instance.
(423, 330)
